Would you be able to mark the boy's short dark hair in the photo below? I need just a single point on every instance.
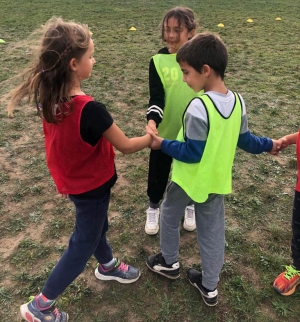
(204, 48)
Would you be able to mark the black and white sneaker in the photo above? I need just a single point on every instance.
(157, 264)
(210, 298)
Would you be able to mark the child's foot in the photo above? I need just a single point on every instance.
(120, 272)
(286, 282)
(210, 298)
(38, 310)
(152, 222)
(158, 265)
(189, 222)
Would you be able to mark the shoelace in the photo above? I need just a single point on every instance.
(291, 272)
(152, 216)
(31, 298)
(123, 267)
(190, 213)
(56, 312)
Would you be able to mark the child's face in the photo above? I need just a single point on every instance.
(86, 62)
(195, 80)
(175, 35)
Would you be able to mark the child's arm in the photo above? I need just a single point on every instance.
(156, 103)
(190, 151)
(254, 144)
(288, 140)
(122, 143)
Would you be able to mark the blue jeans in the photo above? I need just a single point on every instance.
(88, 238)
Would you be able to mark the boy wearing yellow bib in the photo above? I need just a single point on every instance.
(213, 126)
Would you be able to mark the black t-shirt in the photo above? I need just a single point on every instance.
(95, 119)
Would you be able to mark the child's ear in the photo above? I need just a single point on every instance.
(205, 70)
(72, 64)
(191, 34)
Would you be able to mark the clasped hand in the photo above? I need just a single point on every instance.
(279, 145)
(156, 140)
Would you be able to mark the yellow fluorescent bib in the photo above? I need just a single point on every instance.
(177, 94)
(213, 174)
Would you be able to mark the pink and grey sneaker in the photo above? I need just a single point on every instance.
(120, 272)
(38, 310)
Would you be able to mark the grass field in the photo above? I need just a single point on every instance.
(35, 223)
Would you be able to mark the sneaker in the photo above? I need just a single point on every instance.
(33, 312)
(286, 282)
(189, 218)
(120, 272)
(210, 298)
(152, 225)
(158, 265)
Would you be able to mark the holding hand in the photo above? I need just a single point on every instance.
(283, 142)
(152, 126)
(288, 140)
(276, 147)
(156, 143)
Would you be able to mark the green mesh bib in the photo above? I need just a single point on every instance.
(214, 172)
(177, 94)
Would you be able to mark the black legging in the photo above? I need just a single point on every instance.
(295, 246)
(158, 175)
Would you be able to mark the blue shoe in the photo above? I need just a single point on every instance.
(120, 272)
(33, 312)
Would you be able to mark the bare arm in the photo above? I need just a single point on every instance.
(287, 140)
(122, 143)
(291, 138)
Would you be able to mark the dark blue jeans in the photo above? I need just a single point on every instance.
(88, 238)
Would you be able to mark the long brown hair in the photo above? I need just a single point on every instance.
(48, 80)
(185, 17)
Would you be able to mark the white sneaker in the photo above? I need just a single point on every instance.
(152, 225)
(189, 218)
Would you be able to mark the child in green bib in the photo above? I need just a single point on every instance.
(169, 96)
(213, 125)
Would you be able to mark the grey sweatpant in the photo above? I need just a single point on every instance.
(210, 222)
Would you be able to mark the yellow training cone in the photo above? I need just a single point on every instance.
(2, 41)
(132, 28)
(249, 20)
(278, 18)
(220, 25)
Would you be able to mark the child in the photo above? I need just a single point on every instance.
(169, 96)
(213, 125)
(286, 282)
(79, 138)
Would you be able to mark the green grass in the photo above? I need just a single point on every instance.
(35, 223)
